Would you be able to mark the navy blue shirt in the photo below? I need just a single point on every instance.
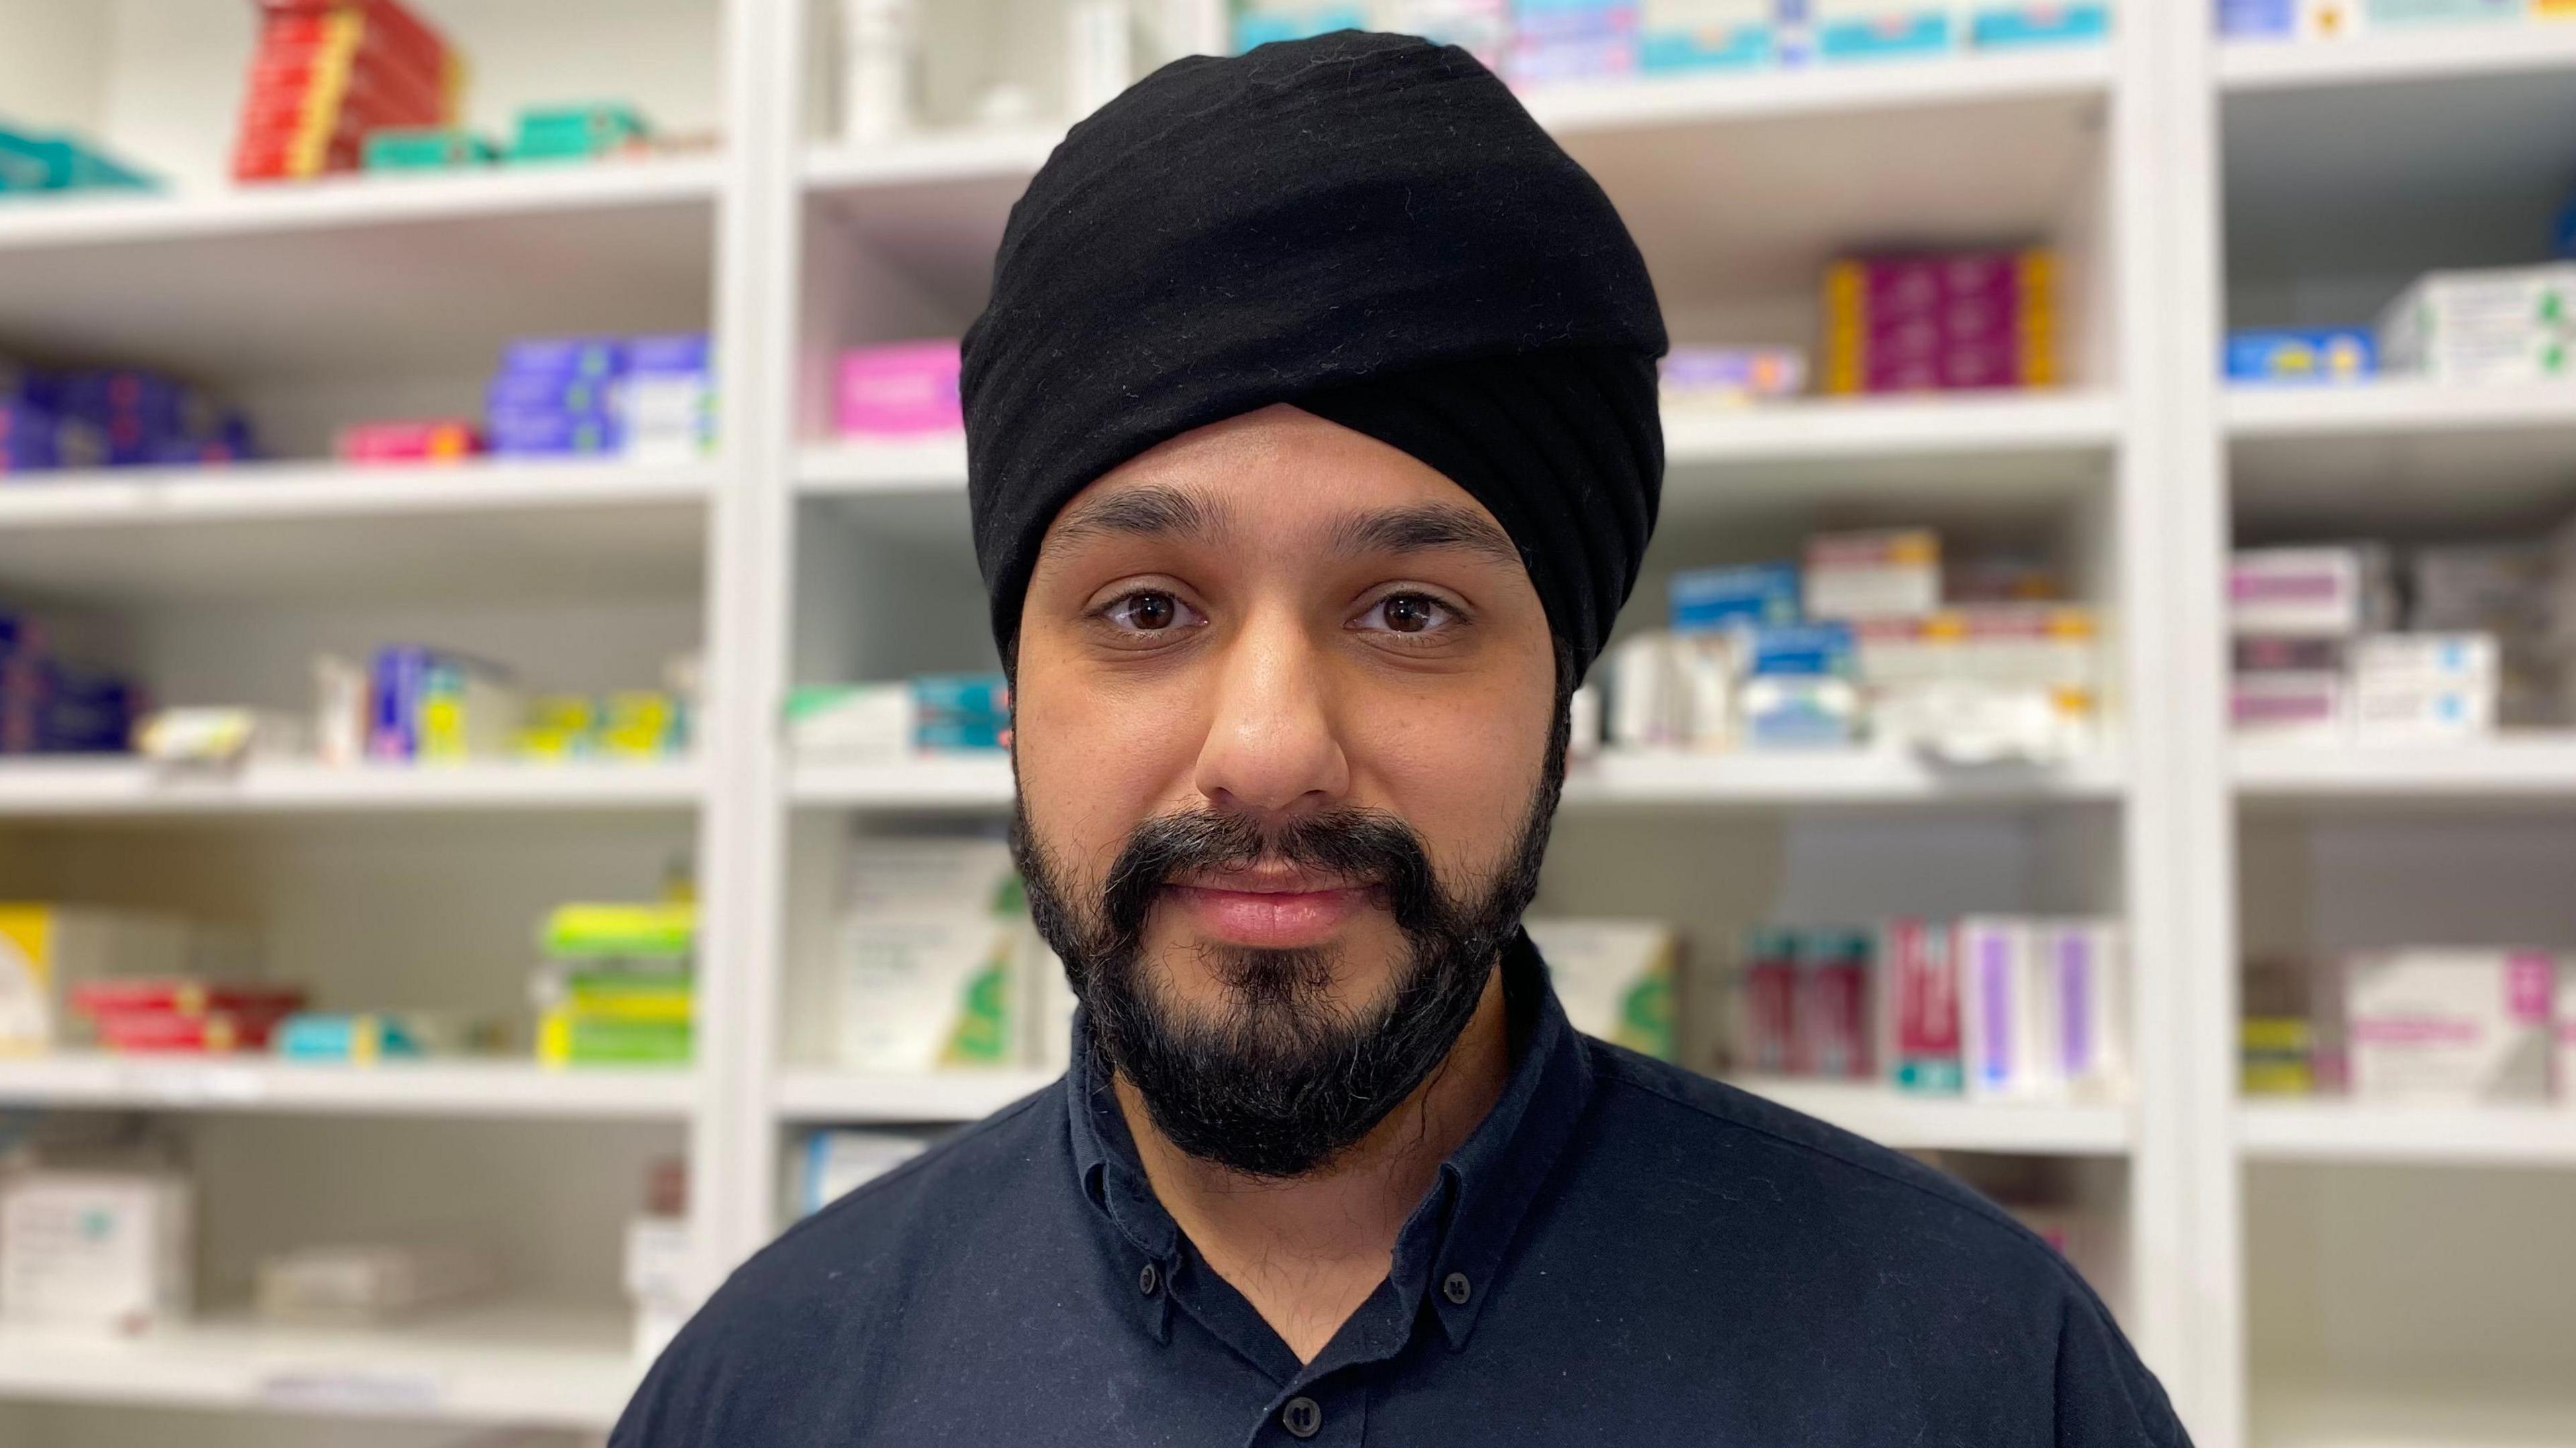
(1622, 1253)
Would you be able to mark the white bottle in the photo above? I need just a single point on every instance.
(881, 60)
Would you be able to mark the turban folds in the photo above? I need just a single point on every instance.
(1367, 226)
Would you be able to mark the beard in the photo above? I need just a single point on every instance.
(1279, 1079)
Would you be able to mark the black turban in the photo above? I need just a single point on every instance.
(1367, 226)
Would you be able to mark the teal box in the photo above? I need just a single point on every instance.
(33, 162)
(1903, 33)
(430, 148)
(2440, 12)
(565, 132)
(1998, 27)
(1737, 47)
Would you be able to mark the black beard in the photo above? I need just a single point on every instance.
(1282, 1080)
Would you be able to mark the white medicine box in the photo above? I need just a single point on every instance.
(2450, 1026)
(104, 1250)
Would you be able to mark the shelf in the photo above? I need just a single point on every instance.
(523, 1365)
(2350, 1131)
(1653, 780)
(82, 788)
(1964, 148)
(2400, 454)
(464, 1089)
(1929, 1123)
(827, 1096)
(1605, 782)
(484, 529)
(2533, 771)
(980, 784)
(2421, 54)
(308, 280)
(2381, 1413)
(2007, 449)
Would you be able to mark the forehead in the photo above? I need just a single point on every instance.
(1280, 478)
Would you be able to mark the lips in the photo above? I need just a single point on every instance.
(1272, 912)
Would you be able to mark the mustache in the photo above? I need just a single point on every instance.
(1355, 844)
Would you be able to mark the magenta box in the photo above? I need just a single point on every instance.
(904, 389)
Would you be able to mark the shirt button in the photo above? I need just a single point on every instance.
(1150, 1280)
(1302, 1417)
(1456, 1288)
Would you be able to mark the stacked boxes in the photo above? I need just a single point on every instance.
(109, 1250)
(2451, 1026)
(1940, 322)
(889, 723)
(435, 706)
(1532, 42)
(2336, 19)
(52, 705)
(330, 72)
(2495, 328)
(1868, 640)
(111, 417)
(1995, 1006)
(937, 965)
(49, 951)
(649, 399)
(618, 986)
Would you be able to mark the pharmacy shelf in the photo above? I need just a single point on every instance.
(1648, 780)
(2388, 1411)
(526, 1366)
(2536, 771)
(74, 789)
(1608, 782)
(1925, 1123)
(2005, 446)
(822, 1095)
(2350, 1131)
(309, 279)
(973, 784)
(2426, 53)
(460, 1089)
(1971, 147)
(483, 529)
(2401, 454)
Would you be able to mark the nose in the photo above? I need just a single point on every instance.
(1272, 751)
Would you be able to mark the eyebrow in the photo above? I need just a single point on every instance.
(1150, 511)
(1424, 528)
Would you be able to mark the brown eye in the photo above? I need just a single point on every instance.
(1152, 610)
(1410, 613)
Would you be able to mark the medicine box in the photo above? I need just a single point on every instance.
(2450, 1026)
(2290, 708)
(2309, 592)
(1867, 29)
(100, 1250)
(1731, 376)
(1615, 978)
(49, 951)
(1873, 575)
(906, 389)
(1683, 35)
(2302, 356)
(2394, 13)
(839, 1162)
(1837, 1029)
(2424, 688)
(927, 951)
(1993, 26)
(1753, 594)
(2563, 1068)
(1919, 987)
(2000, 1019)
(2499, 326)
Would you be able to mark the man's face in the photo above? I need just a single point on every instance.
(1287, 744)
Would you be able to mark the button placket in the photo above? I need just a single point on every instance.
(1302, 1416)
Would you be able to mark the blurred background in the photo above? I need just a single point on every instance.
(504, 774)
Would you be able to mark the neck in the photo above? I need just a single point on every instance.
(1307, 1251)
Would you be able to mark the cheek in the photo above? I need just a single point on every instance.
(1461, 771)
(1093, 764)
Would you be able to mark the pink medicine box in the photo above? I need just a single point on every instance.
(904, 389)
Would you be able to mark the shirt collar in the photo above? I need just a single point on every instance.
(1464, 1225)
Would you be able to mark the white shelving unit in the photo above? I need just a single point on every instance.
(2186, 183)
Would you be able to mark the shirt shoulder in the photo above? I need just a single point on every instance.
(1904, 1247)
(803, 1314)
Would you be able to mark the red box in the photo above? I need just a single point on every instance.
(215, 1031)
(403, 30)
(183, 996)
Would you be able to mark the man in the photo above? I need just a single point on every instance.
(1313, 449)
